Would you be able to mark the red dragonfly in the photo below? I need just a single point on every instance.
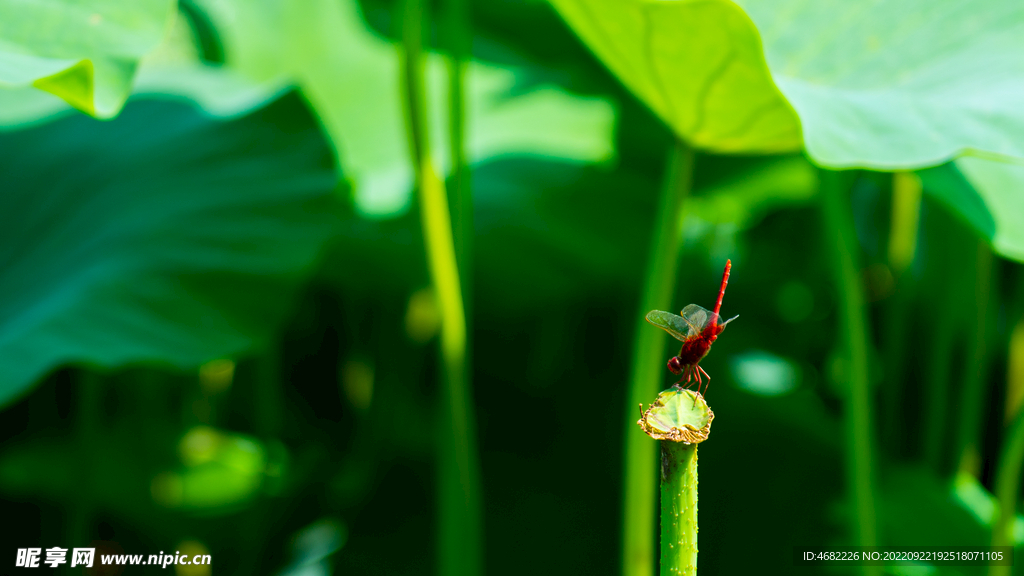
(697, 328)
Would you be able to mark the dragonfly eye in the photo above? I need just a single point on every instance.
(674, 366)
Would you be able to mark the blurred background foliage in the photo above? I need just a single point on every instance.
(217, 326)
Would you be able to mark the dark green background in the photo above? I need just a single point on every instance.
(558, 264)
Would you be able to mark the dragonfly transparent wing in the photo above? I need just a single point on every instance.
(697, 317)
(729, 320)
(680, 328)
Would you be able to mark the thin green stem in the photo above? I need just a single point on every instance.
(459, 536)
(678, 508)
(840, 237)
(1011, 458)
(267, 403)
(648, 361)
(1007, 487)
(940, 349)
(460, 38)
(460, 196)
(972, 392)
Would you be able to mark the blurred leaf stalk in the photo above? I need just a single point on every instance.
(858, 421)
(647, 363)
(1011, 459)
(460, 531)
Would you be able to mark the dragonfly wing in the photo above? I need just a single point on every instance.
(680, 328)
(697, 317)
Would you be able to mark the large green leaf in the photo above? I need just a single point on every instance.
(85, 52)
(171, 70)
(353, 79)
(874, 84)
(160, 236)
(698, 64)
(898, 84)
(218, 91)
(988, 194)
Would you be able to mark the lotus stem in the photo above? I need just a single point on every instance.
(680, 419)
(460, 533)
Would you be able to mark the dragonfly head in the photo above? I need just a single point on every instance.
(674, 365)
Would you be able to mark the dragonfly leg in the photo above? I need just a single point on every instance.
(688, 374)
(708, 377)
(696, 372)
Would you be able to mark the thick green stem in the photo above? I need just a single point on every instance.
(413, 21)
(840, 237)
(906, 208)
(648, 362)
(460, 532)
(678, 508)
(972, 392)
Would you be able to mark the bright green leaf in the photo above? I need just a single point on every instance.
(23, 107)
(171, 70)
(218, 91)
(85, 52)
(698, 64)
(898, 84)
(161, 236)
(875, 84)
